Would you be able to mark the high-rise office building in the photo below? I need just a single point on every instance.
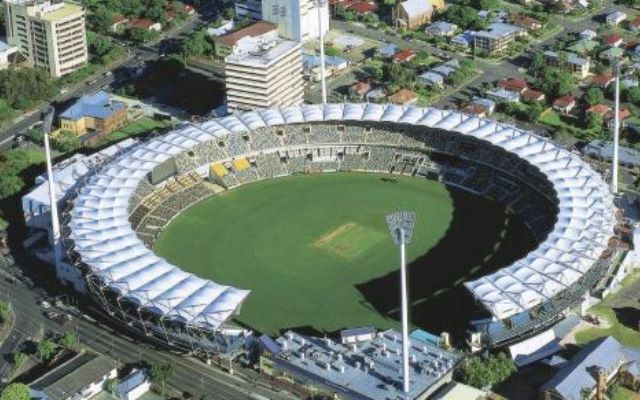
(297, 19)
(264, 71)
(50, 35)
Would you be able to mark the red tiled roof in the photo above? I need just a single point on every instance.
(564, 101)
(525, 22)
(635, 23)
(598, 108)
(403, 96)
(611, 39)
(404, 55)
(602, 79)
(144, 23)
(363, 7)
(475, 109)
(361, 88)
(515, 84)
(257, 29)
(623, 114)
(117, 18)
(532, 95)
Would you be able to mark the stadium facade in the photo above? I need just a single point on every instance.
(112, 218)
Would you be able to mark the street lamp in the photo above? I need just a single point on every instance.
(401, 226)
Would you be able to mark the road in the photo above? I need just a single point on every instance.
(190, 375)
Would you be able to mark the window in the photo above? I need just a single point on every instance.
(274, 9)
(283, 11)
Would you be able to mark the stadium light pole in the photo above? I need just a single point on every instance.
(616, 134)
(55, 221)
(320, 5)
(401, 226)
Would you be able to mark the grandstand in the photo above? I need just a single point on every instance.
(112, 221)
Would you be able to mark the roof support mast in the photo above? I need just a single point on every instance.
(55, 219)
(616, 134)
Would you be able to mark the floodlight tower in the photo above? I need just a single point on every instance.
(55, 221)
(616, 134)
(401, 226)
(320, 4)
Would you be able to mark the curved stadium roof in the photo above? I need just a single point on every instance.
(107, 243)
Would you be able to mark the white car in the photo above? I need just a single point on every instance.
(45, 304)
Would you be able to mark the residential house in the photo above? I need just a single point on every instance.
(602, 80)
(444, 70)
(118, 23)
(497, 37)
(613, 40)
(532, 96)
(146, 24)
(404, 56)
(601, 109)
(133, 386)
(504, 96)
(464, 39)
(332, 65)
(484, 14)
(481, 107)
(431, 79)
(79, 378)
(615, 18)
(404, 97)
(360, 88)
(96, 113)
(387, 51)
(611, 54)
(564, 104)
(623, 114)
(578, 66)
(592, 370)
(411, 14)
(629, 82)
(588, 34)
(376, 95)
(358, 7)
(517, 85)
(528, 23)
(441, 29)
(224, 44)
(634, 24)
(583, 47)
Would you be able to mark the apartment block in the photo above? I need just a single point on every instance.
(49, 34)
(264, 71)
(497, 38)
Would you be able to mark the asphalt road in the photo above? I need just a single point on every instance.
(190, 375)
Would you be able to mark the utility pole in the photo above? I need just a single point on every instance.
(401, 226)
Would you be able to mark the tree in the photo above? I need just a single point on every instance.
(101, 19)
(5, 312)
(229, 13)
(15, 391)
(18, 358)
(196, 45)
(593, 96)
(537, 64)
(24, 87)
(554, 82)
(633, 95)
(68, 341)
(66, 141)
(160, 374)
(465, 17)
(47, 350)
(485, 372)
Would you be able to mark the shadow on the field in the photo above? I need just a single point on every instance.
(481, 238)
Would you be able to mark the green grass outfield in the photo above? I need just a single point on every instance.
(303, 243)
